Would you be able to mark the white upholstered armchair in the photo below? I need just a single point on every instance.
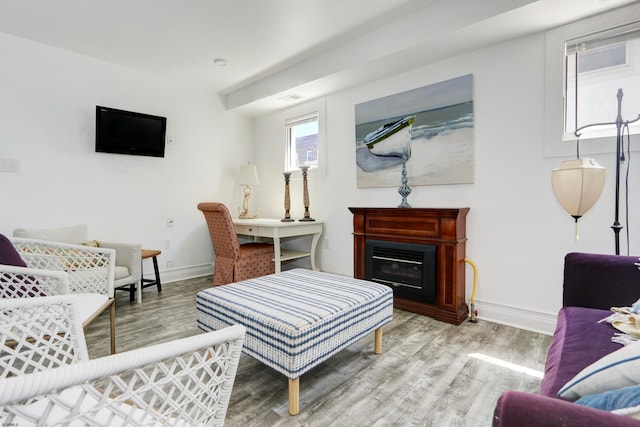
(128, 267)
(46, 381)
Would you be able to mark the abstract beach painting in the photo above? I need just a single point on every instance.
(432, 126)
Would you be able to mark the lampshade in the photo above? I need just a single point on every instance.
(578, 184)
(249, 175)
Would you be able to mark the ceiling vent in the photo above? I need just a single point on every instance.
(290, 98)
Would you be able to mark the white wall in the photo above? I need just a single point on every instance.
(517, 233)
(47, 122)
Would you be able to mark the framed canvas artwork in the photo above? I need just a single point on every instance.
(431, 126)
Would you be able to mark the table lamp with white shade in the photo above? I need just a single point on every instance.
(248, 178)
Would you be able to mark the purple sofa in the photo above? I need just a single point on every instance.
(592, 284)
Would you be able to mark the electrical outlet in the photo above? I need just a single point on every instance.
(167, 244)
(326, 243)
(169, 264)
(169, 222)
(8, 165)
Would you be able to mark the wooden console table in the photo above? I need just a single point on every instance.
(444, 228)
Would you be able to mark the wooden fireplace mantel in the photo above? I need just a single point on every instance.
(443, 227)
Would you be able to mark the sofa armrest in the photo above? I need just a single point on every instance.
(127, 255)
(519, 409)
(600, 281)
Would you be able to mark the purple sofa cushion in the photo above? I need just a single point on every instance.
(8, 254)
(600, 281)
(579, 340)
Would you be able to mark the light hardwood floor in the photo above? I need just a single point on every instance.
(426, 375)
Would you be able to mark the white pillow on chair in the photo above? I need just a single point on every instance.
(73, 234)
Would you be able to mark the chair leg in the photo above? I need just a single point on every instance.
(129, 288)
(157, 272)
(112, 325)
(150, 282)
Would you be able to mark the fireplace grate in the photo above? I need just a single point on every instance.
(391, 254)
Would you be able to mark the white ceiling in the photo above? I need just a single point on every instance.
(278, 48)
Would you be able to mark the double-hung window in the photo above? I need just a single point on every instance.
(302, 141)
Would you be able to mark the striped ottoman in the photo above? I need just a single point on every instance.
(298, 318)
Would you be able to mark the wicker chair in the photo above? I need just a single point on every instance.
(59, 268)
(234, 262)
(48, 379)
(128, 268)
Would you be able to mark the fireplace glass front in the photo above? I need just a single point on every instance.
(410, 269)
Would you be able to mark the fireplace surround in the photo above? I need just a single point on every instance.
(414, 229)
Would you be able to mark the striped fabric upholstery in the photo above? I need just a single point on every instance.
(298, 318)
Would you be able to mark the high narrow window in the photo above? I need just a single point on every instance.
(302, 141)
(596, 66)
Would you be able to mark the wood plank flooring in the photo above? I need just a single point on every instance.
(424, 377)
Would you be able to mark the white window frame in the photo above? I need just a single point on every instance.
(299, 112)
(291, 149)
(555, 142)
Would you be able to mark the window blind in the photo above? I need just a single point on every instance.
(600, 39)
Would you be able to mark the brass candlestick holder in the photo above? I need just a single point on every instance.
(307, 216)
(287, 199)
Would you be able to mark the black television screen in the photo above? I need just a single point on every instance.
(126, 132)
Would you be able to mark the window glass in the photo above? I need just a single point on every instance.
(602, 58)
(302, 141)
(596, 66)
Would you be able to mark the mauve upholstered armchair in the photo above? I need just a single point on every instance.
(234, 262)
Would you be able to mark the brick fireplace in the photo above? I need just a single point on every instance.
(418, 252)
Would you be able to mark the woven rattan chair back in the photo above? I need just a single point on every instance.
(22, 282)
(185, 382)
(39, 334)
(90, 269)
(56, 268)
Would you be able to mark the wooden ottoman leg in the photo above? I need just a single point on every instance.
(294, 396)
(377, 344)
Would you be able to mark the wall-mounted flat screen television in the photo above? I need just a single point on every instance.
(126, 132)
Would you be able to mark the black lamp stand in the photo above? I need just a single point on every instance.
(616, 227)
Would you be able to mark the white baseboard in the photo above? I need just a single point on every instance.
(522, 318)
(181, 273)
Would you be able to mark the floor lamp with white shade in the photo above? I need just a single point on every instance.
(578, 183)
